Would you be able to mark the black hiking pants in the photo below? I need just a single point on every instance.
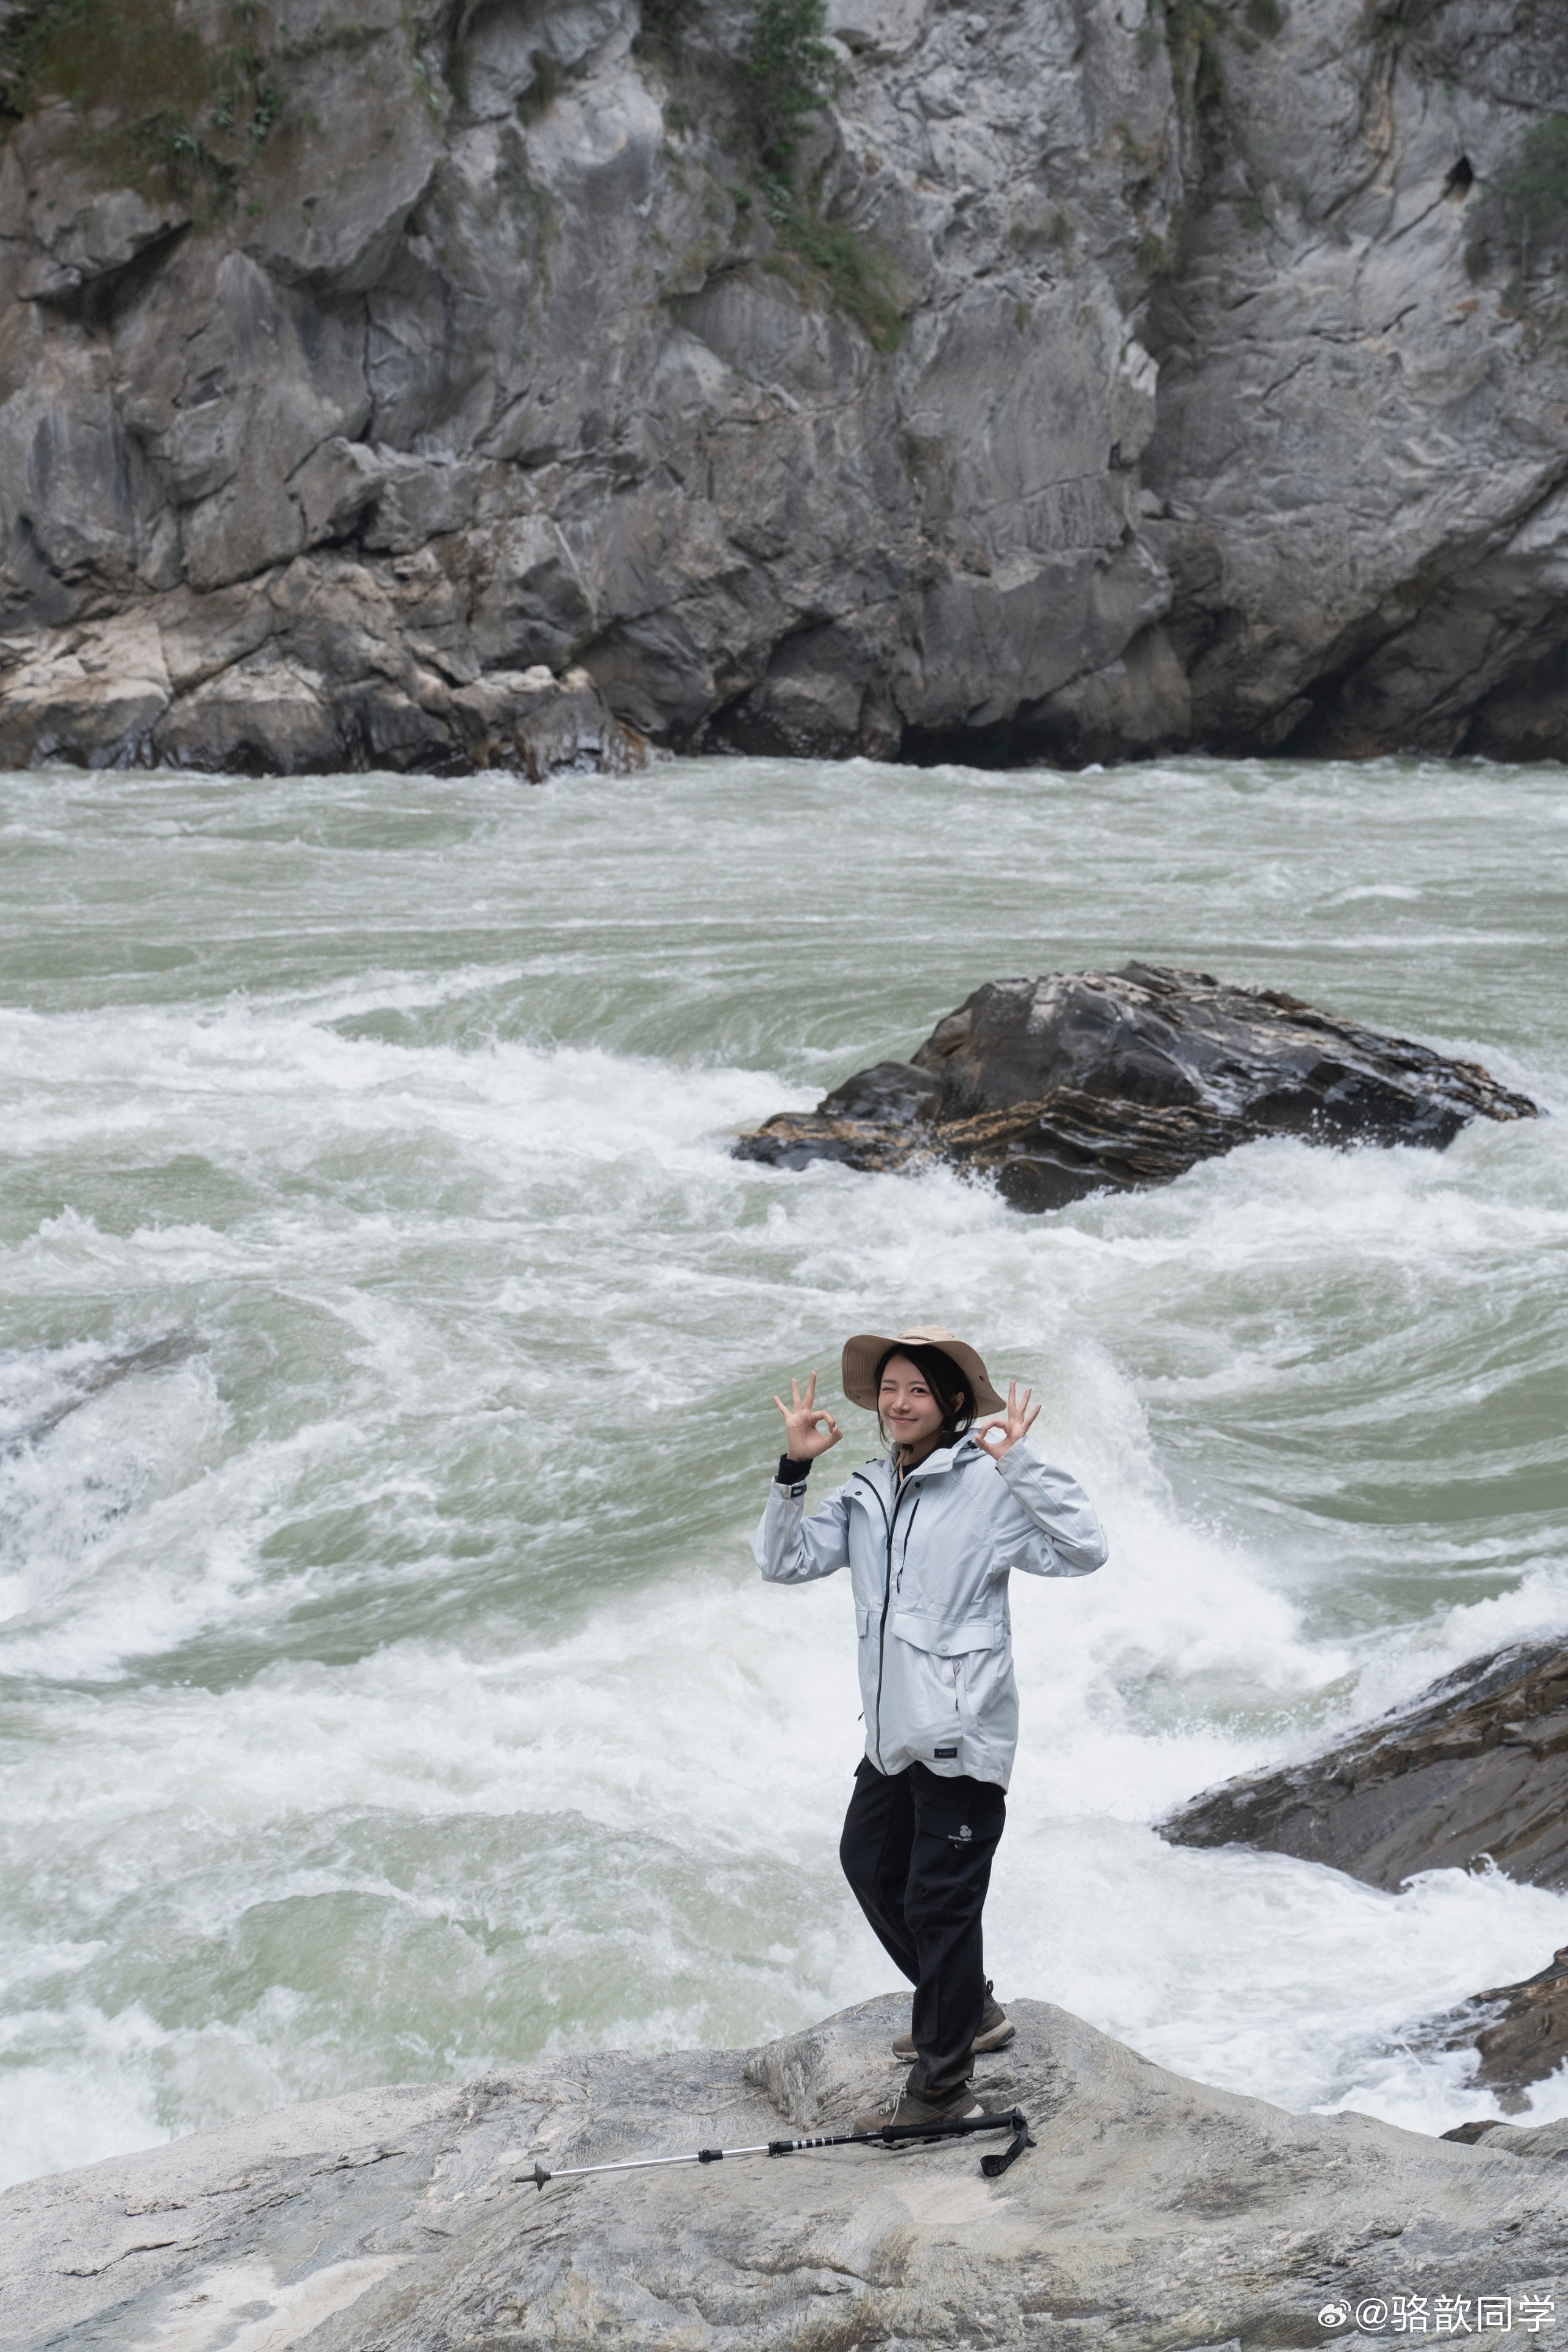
(917, 1851)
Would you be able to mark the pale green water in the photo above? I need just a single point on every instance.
(386, 1689)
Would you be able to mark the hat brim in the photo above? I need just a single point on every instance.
(865, 1351)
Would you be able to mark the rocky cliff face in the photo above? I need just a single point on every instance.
(442, 382)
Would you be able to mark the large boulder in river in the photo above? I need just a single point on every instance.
(1153, 2215)
(1475, 1770)
(1066, 1085)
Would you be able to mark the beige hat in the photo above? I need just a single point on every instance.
(865, 1352)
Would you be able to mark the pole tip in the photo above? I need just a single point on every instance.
(538, 2176)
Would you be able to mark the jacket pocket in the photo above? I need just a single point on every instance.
(863, 1619)
(942, 1640)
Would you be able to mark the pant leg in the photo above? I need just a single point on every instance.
(957, 1825)
(879, 1830)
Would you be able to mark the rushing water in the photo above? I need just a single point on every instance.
(387, 1692)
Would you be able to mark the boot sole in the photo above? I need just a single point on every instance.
(983, 2047)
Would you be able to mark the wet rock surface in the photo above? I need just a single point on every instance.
(1475, 1770)
(1066, 1085)
(1142, 376)
(1153, 2213)
(1520, 2032)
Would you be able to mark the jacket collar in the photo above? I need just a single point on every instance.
(946, 1457)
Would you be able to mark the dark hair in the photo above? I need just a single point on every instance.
(946, 1383)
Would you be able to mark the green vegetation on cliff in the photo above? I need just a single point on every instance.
(169, 109)
(1523, 221)
(792, 71)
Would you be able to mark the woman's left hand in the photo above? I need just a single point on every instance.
(999, 1437)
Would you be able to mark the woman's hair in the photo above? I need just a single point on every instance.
(945, 1381)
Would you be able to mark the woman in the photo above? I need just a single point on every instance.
(929, 1534)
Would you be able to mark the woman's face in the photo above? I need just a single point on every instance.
(908, 1408)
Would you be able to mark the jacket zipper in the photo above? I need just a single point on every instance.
(891, 1525)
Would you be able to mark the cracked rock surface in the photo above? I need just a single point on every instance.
(1080, 1082)
(439, 387)
(1153, 2213)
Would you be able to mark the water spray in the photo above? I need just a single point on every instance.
(890, 2136)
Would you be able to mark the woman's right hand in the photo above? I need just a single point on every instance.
(803, 1439)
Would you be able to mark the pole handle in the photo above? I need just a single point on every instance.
(951, 2127)
(901, 2135)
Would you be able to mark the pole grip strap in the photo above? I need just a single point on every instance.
(993, 2167)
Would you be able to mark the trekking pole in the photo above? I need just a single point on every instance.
(890, 2136)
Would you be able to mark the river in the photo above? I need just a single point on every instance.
(385, 1689)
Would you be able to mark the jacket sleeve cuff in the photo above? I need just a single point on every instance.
(790, 1473)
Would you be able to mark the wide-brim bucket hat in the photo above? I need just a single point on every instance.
(865, 1351)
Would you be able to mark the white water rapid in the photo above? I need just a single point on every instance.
(385, 1689)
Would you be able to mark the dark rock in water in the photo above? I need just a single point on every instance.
(1520, 2030)
(1075, 1082)
(1477, 1770)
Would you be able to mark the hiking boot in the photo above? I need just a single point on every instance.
(997, 2031)
(908, 2108)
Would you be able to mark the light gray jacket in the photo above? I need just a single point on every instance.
(929, 1561)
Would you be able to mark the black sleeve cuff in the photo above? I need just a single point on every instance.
(790, 1474)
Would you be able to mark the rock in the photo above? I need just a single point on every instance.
(540, 724)
(1362, 653)
(1130, 377)
(1520, 2032)
(91, 694)
(1152, 2213)
(1475, 1770)
(1080, 1081)
(266, 715)
(327, 668)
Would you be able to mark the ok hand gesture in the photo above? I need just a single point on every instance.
(999, 1437)
(803, 1439)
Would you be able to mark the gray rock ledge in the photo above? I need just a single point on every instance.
(1155, 2215)
(124, 693)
